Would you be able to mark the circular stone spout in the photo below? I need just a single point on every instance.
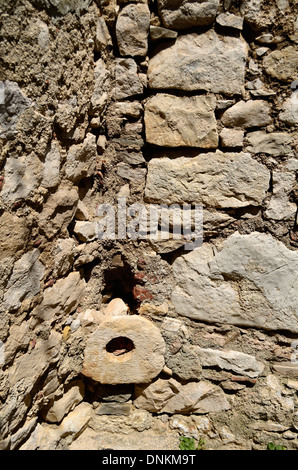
(124, 349)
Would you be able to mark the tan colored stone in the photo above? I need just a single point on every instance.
(58, 408)
(282, 64)
(13, 234)
(215, 180)
(172, 121)
(116, 307)
(246, 114)
(200, 62)
(132, 29)
(139, 365)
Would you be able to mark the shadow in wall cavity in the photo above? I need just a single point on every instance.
(119, 283)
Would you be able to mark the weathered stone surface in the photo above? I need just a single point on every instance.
(22, 178)
(132, 29)
(228, 20)
(186, 363)
(85, 231)
(156, 33)
(30, 367)
(127, 81)
(15, 103)
(283, 181)
(282, 64)
(61, 299)
(200, 62)
(101, 90)
(154, 397)
(231, 138)
(214, 180)
(138, 365)
(288, 369)
(181, 14)
(62, 7)
(116, 307)
(115, 409)
(256, 14)
(103, 38)
(45, 437)
(289, 113)
(276, 144)
(24, 283)
(81, 159)
(235, 361)
(181, 121)
(247, 114)
(264, 270)
(64, 255)
(169, 396)
(55, 411)
(13, 234)
(51, 167)
(58, 211)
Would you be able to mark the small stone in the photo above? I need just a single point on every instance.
(228, 20)
(103, 38)
(24, 282)
(282, 64)
(116, 307)
(158, 33)
(132, 29)
(81, 159)
(82, 212)
(276, 144)
(288, 369)
(115, 409)
(85, 230)
(248, 114)
(58, 408)
(289, 113)
(231, 138)
(51, 168)
(182, 14)
(260, 51)
(181, 121)
(127, 81)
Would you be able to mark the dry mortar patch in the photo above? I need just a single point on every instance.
(115, 116)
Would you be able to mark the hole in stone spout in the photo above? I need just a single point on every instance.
(119, 346)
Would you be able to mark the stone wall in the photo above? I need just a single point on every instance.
(129, 343)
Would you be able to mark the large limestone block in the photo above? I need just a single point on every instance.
(132, 30)
(252, 282)
(200, 62)
(124, 349)
(180, 14)
(218, 180)
(173, 121)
